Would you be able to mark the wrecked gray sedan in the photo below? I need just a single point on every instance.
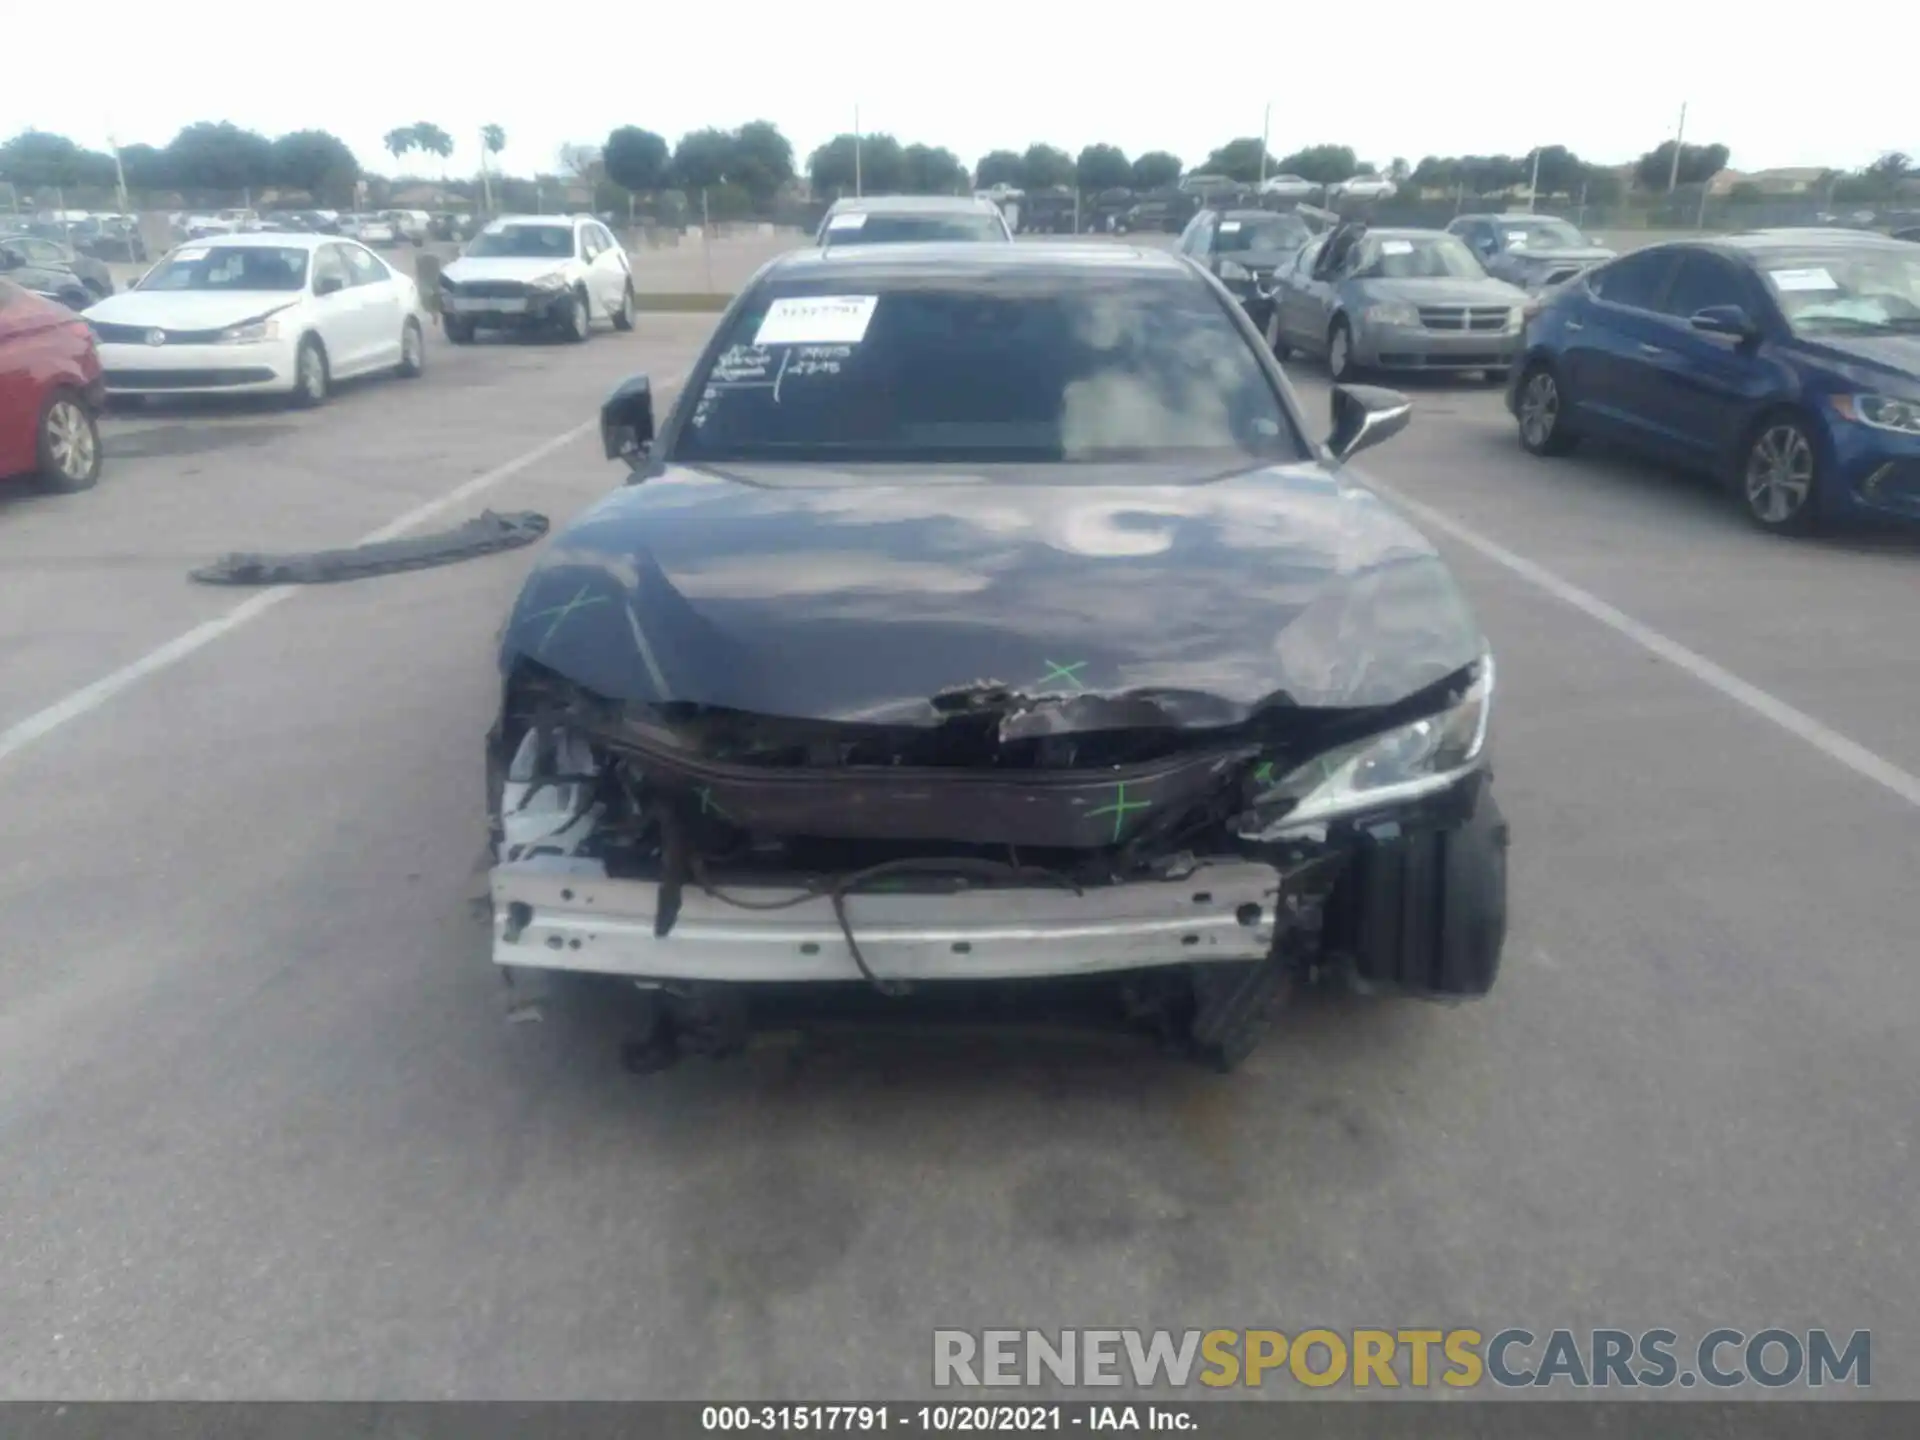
(985, 615)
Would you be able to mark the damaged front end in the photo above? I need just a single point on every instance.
(699, 851)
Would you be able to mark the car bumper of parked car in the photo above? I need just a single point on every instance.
(548, 918)
(534, 310)
(1412, 347)
(1877, 471)
(198, 369)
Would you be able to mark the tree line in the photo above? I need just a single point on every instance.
(755, 163)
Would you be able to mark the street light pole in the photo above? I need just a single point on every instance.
(1266, 127)
(119, 176)
(856, 151)
(1533, 185)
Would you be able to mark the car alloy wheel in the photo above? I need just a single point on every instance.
(413, 350)
(1779, 477)
(1539, 410)
(1340, 353)
(579, 322)
(624, 317)
(71, 444)
(310, 374)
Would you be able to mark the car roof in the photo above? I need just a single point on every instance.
(557, 221)
(1256, 213)
(278, 239)
(975, 262)
(1403, 232)
(1753, 246)
(914, 205)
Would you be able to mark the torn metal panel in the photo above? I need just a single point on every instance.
(486, 534)
(1222, 911)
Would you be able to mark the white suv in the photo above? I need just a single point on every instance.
(538, 272)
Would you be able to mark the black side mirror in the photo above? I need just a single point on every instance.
(329, 285)
(1364, 416)
(1729, 320)
(626, 420)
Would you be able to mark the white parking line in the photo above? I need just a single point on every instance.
(88, 698)
(1828, 741)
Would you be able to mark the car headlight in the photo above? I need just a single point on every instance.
(1882, 412)
(254, 334)
(1517, 317)
(1232, 271)
(1396, 766)
(555, 281)
(1393, 312)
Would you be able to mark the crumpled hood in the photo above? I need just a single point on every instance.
(190, 309)
(1442, 291)
(786, 591)
(502, 267)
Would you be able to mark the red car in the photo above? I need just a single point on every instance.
(50, 393)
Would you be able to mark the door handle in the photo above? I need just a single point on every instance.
(1646, 349)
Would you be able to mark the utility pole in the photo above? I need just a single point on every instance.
(1679, 138)
(1533, 185)
(856, 152)
(119, 177)
(1266, 126)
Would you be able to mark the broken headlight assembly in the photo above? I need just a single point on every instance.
(1405, 763)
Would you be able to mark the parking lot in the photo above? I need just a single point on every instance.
(264, 1131)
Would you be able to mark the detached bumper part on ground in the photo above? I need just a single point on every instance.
(618, 856)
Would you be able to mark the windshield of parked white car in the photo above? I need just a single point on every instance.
(1421, 257)
(231, 267)
(1838, 292)
(524, 242)
(1542, 234)
(1265, 233)
(1051, 369)
(859, 229)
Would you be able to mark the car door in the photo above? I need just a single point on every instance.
(339, 313)
(1699, 388)
(614, 268)
(382, 303)
(1300, 298)
(1612, 340)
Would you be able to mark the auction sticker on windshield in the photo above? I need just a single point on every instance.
(1396, 247)
(847, 222)
(1815, 279)
(817, 320)
(1227, 227)
(199, 252)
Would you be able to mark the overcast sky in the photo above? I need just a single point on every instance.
(1389, 79)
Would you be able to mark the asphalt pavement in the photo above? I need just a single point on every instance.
(264, 1131)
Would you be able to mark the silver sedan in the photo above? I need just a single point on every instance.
(1395, 300)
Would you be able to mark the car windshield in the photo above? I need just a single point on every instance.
(1846, 292)
(1263, 232)
(231, 267)
(1417, 257)
(1051, 370)
(526, 242)
(856, 228)
(1547, 234)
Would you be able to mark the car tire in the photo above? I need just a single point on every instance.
(1778, 479)
(1274, 342)
(1340, 353)
(459, 329)
(413, 351)
(623, 317)
(576, 326)
(312, 377)
(67, 449)
(1543, 428)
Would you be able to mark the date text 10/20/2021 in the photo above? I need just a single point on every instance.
(941, 1419)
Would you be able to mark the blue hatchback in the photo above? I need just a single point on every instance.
(1785, 362)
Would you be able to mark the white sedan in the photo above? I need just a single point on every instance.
(262, 313)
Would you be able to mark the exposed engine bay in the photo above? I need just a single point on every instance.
(701, 853)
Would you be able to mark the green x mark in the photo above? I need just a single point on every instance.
(580, 601)
(1057, 671)
(1264, 775)
(1120, 809)
(709, 805)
